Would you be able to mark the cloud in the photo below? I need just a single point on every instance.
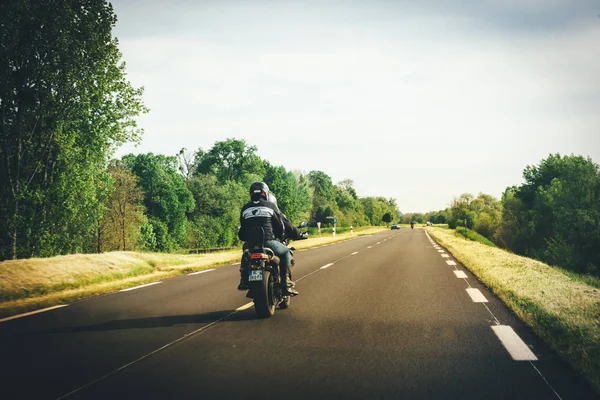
(378, 93)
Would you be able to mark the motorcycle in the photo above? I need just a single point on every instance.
(264, 281)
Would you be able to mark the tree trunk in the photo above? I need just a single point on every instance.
(99, 233)
(15, 229)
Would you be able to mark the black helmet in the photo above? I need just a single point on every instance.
(258, 190)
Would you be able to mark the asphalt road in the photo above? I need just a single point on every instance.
(388, 318)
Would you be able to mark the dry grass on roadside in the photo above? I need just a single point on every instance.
(41, 276)
(563, 311)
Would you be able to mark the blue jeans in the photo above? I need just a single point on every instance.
(281, 251)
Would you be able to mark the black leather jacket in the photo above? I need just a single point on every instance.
(291, 232)
(264, 214)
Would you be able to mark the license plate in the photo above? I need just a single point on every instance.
(255, 275)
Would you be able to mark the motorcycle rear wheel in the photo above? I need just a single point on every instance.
(263, 296)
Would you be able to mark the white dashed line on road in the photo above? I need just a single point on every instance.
(33, 312)
(450, 262)
(517, 349)
(139, 287)
(369, 247)
(245, 306)
(201, 272)
(476, 295)
(460, 274)
(326, 266)
(445, 255)
(440, 251)
(356, 252)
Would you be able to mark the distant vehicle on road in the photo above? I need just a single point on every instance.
(395, 226)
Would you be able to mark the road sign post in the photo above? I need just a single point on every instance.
(334, 224)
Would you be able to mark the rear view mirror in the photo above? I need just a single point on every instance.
(303, 224)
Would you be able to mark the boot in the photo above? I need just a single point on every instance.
(243, 285)
(243, 279)
(287, 285)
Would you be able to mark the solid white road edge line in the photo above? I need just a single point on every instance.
(326, 266)
(201, 272)
(460, 274)
(476, 295)
(245, 306)
(513, 343)
(450, 262)
(32, 312)
(139, 287)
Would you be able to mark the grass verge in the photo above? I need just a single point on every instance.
(463, 232)
(31, 284)
(562, 310)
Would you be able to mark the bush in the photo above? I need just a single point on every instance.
(147, 238)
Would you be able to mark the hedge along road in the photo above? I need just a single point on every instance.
(383, 316)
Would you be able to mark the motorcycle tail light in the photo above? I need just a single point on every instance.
(258, 256)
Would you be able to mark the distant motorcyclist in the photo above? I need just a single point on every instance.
(412, 224)
(260, 212)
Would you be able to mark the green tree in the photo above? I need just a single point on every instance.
(167, 199)
(485, 225)
(323, 196)
(460, 211)
(232, 159)
(556, 213)
(387, 218)
(215, 219)
(376, 207)
(65, 104)
(324, 192)
(121, 224)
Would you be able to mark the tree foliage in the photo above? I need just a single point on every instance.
(65, 104)
(120, 227)
(230, 160)
(167, 199)
(555, 215)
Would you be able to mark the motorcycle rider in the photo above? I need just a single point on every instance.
(265, 214)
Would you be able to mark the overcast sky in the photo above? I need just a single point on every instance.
(416, 100)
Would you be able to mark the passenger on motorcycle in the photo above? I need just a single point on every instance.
(265, 214)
